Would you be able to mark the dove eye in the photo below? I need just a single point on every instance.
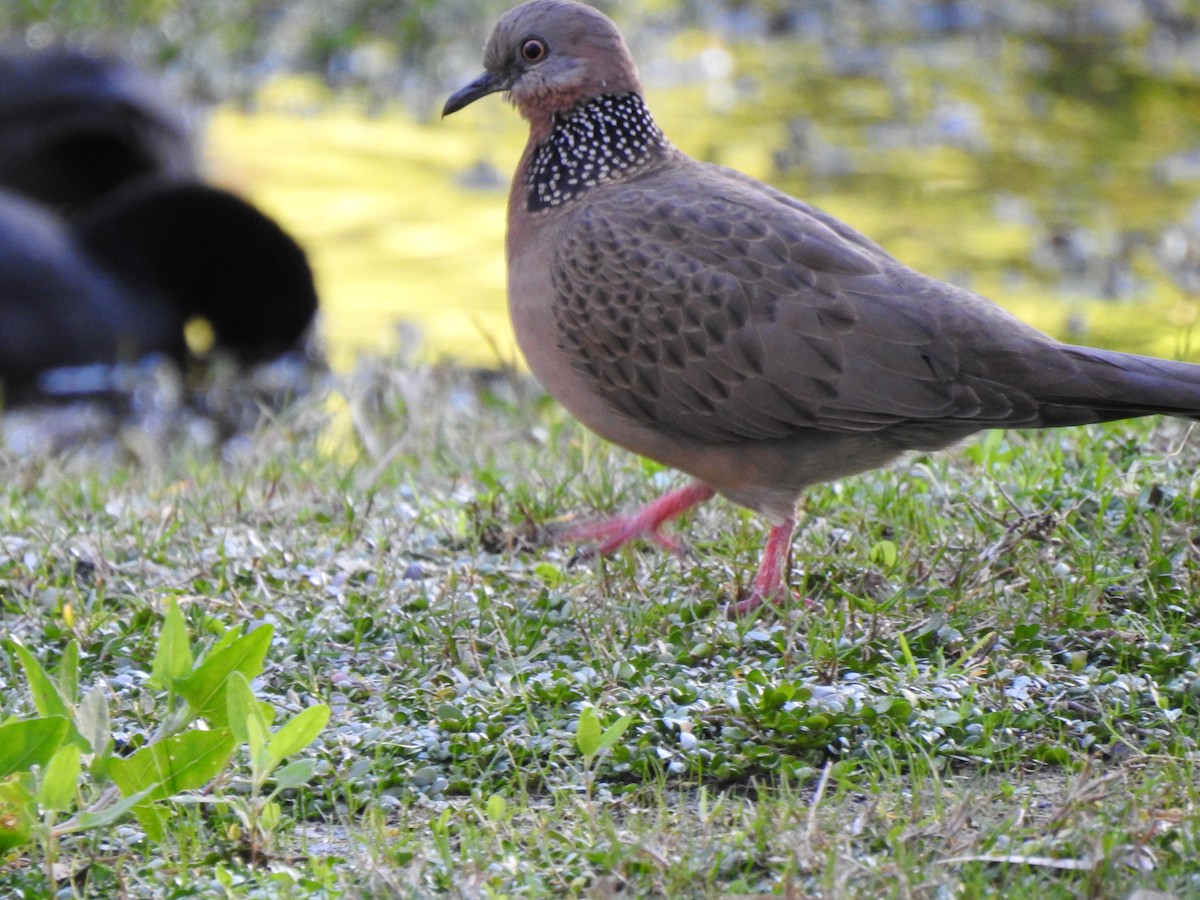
(533, 50)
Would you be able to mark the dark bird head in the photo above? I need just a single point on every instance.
(205, 253)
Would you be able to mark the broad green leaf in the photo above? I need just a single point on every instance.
(297, 733)
(46, 698)
(154, 820)
(103, 817)
(294, 775)
(884, 553)
(240, 707)
(229, 636)
(67, 672)
(204, 689)
(613, 733)
(947, 717)
(260, 763)
(496, 808)
(184, 762)
(93, 724)
(590, 739)
(269, 816)
(18, 812)
(587, 732)
(173, 655)
(60, 777)
(32, 742)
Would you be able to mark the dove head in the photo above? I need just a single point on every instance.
(550, 56)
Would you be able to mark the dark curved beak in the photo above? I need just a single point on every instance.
(487, 83)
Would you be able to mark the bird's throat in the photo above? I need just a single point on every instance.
(602, 140)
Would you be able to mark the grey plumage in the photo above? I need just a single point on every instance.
(701, 318)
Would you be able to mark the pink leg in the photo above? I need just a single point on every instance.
(646, 522)
(768, 581)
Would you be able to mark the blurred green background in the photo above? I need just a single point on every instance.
(1046, 154)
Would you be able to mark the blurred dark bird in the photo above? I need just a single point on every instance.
(123, 278)
(703, 319)
(74, 127)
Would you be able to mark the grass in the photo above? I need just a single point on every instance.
(992, 688)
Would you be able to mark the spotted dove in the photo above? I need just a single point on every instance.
(705, 320)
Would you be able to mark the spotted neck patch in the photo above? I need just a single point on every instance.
(599, 141)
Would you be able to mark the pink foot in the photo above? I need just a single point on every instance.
(612, 533)
(768, 581)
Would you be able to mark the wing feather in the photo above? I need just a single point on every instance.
(741, 314)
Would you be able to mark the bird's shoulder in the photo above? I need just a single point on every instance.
(718, 217)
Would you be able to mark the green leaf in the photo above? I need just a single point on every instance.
(102, 818)
(260, 763)
(18, 812)
(185, 762)
(294, 775)
(613, 733)
(269, 816)
(906, 652)
(60, 778)
(497, 808)
(67, 672)
(204, 688)
(1053, 754)
(173, 656)
(153, 819)
(297, 733)
(228, 637)
(884, 553)
(31, 742)
(46, 698)
(589, 737)
(93, 723)
(1026, 631)
(587, 732)
(551, 574)
(240, 707)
